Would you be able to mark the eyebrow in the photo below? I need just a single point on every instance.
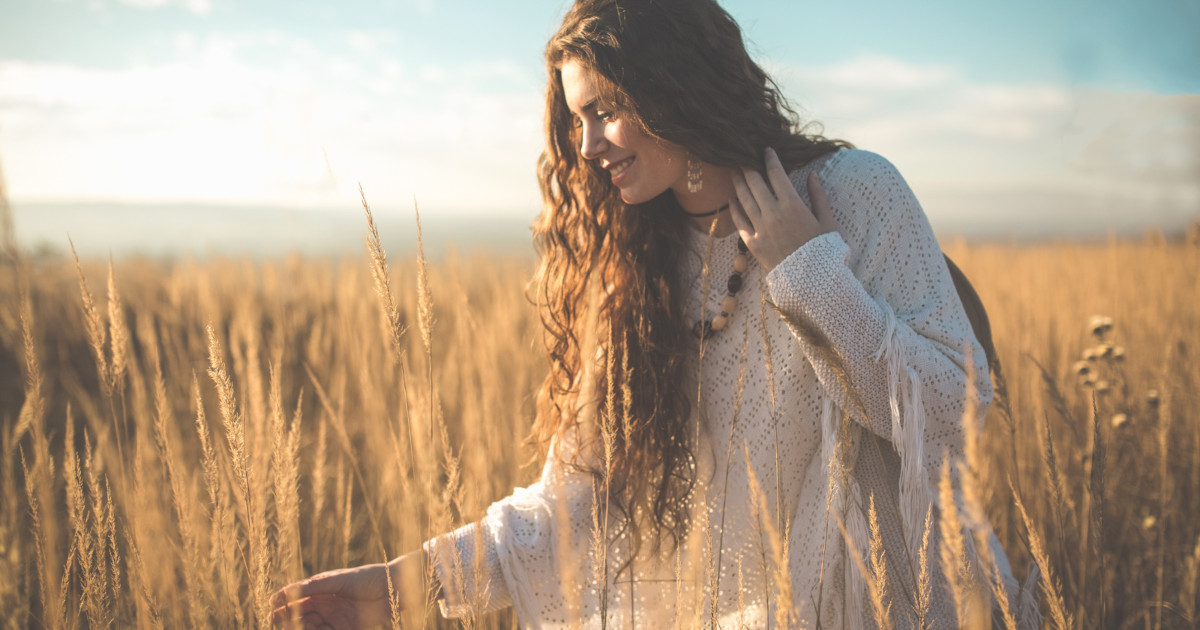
(588, 106)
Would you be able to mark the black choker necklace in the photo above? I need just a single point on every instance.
(707, 214)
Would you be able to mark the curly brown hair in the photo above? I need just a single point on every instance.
(679, 71)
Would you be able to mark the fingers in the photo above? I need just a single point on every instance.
(760, 194)
(743, 224)
(316, 585)
(754, 193)
(291, 592)
(297, 614)
(310, 612)
(745, 198)
(280, 597)
(777, 175)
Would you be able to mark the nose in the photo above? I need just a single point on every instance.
(593, 142)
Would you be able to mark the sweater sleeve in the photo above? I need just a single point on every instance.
(530, 542)
(874, 307)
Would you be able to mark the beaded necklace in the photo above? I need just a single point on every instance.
(741, 261)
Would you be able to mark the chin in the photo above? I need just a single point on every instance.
(632, 197)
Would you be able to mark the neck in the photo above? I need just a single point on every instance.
(717, 191)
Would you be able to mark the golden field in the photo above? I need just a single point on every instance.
(179, 440)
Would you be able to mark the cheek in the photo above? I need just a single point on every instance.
(621, 135)
(672, 164)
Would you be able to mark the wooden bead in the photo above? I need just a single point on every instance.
(735, 284)
(741, 262)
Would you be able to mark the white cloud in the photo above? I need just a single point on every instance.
(370, 41)
(214, 127)
(211, 126)
(876, 73)
(925, 111)
(957, 129)
(1148, 136)
(199, 7)
(954, 137)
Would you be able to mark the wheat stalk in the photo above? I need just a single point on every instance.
(924, 580)
(118, 336)
(425, 324)
(786, 615)
(1059, 615)
(140, 560)
(76, 508)
(223, 535)
(52, 602)
(181, 499)
(285, 478)
(1187, 592)
(953, 548)
(258, 563)
(345, 500)
(769, 363)
(1056, 486)
(231, 417)
(733, 426)
(877, 578)
(148, 608)
(568, 567)
(39, 486)
(383, 284)
(97, 334)
(319, 477)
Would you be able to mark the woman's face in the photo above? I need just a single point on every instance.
(640, 166)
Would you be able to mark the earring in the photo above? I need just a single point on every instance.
(695, 176)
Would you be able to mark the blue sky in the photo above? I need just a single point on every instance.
(292, 103)
(1107, 43)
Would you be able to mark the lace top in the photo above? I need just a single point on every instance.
(869, 324)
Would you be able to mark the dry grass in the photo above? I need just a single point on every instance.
(343, 438)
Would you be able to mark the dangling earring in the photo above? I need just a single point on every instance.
(695, 176)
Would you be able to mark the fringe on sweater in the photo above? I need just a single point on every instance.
(917, 495)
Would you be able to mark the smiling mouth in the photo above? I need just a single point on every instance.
(619, 167)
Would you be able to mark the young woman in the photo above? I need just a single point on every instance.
(755, 343)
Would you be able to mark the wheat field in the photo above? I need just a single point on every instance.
(178, 440)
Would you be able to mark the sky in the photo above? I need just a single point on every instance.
(1004, 117)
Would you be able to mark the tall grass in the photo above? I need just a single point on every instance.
(178, 445)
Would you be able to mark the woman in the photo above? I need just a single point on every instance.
(755, 344)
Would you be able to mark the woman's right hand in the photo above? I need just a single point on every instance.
(345, 599)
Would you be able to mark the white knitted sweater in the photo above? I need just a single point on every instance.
(879, 293)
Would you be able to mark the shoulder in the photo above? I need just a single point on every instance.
(872, 205)
(865, 190)
(856, 180)
(850, 167)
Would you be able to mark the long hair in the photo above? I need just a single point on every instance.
(679, 71)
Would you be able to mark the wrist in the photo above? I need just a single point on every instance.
(409, 575)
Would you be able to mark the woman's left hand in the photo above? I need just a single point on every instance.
(344, 599)
(776, 223)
